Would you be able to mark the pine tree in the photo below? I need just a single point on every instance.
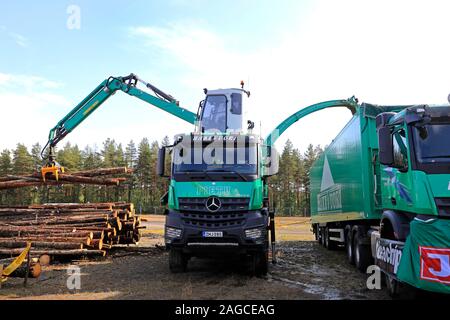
(131, 155)
(109, 153)
(143, 173)
(5, 163)
(36, 156)
(5, 169)
(22, 160)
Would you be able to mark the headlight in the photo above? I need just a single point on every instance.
(253, 233)
(173, 233)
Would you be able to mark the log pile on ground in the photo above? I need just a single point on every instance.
(67, 230)
(94, 177)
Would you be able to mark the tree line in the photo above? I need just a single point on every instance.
(289, 189)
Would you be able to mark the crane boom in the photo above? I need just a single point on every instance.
(100, 94)
(350, 103)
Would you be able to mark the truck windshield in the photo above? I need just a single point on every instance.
(241, 160)
(432, 143)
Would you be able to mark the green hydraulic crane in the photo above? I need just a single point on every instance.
(351, 104)
(96, 98)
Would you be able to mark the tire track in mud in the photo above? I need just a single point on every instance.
(313, 269)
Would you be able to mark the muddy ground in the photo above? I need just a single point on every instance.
(304, 270)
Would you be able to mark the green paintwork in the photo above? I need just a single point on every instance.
(431, 233)
(202, 189)
(338, 193)
(100, 94)
(363, 187)
(350, 103)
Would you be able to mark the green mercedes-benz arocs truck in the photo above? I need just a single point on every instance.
(219, 207)
(217, 202)
(382, 190)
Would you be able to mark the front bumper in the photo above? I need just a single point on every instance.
(234, 240)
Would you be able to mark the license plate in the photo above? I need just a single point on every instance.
(212, 234)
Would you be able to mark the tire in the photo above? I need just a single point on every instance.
(261, 263)
(392, 286)
(177, 261)
(398, 290)
(330, 244)
(326, 240)
(319, 234)
(322, 235)
(349, 247)
(361, 252)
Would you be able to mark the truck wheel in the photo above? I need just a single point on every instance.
(177, 261)
(361, 253)
(319, 232)
(323, 241)
(260, 263)
(398, 290)
(349, 247)
(330, 244)
(392, 286)
(326, 241)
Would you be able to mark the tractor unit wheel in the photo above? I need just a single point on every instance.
(361, 252)
(261, 263)
(177, 261)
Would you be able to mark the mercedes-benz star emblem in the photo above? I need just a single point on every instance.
(213, 204)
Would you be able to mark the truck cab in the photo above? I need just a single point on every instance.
(217, 199)
(415, 154)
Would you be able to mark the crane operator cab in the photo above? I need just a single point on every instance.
(222, 111)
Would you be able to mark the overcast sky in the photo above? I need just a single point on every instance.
(290, 53)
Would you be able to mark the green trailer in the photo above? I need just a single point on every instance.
(381, 189)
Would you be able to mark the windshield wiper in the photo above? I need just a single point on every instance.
(230, 171)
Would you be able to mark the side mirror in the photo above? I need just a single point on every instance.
(272, 164)
(160, 166)
(386, 151)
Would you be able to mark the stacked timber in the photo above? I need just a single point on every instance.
(66, 230)
(91, 177)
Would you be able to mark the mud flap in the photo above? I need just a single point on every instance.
(272, 236)
(425, 262)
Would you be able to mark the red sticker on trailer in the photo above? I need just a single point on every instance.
(435, 264)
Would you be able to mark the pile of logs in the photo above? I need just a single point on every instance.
(95, 177)
(66, 230)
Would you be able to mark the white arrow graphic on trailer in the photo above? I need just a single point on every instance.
(327, 177)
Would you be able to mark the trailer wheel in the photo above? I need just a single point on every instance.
(177, 261)
(330, 244)
(361, 252)
(349, 247)
(323, 240)
(319, 232)
(326, 240)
